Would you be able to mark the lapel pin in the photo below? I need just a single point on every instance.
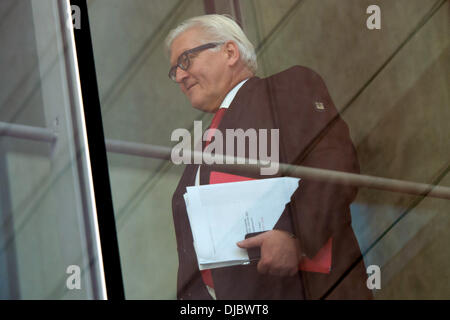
(320, 106)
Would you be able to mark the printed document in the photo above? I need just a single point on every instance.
(220, 215)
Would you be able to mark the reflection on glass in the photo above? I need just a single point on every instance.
(139, 105)
(389, 85)
(48, 238)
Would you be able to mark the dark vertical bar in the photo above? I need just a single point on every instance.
(98, 157)
(210, 6)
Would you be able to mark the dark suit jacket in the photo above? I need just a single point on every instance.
(309, 136)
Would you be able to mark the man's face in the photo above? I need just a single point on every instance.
(207, 79)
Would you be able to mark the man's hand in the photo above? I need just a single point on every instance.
(280, 253)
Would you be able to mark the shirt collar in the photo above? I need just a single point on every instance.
(230, 96)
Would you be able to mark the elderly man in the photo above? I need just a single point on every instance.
(214, 65)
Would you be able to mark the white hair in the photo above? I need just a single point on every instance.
(218, 28)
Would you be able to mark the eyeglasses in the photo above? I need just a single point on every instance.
(183, 61)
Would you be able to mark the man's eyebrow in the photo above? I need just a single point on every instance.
(182, 51)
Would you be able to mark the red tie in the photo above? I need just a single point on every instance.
(215, 124)
(206, 274)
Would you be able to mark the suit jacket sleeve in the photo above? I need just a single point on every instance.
(315, 137)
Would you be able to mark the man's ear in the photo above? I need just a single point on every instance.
(232, 52)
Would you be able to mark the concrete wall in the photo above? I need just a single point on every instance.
(390, 86)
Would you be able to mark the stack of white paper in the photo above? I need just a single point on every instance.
(222, 214)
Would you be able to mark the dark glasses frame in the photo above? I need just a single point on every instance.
(183, 61)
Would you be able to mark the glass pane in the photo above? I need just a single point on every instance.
(389, 85)
(48, 237)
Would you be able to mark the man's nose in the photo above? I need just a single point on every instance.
(180, 75)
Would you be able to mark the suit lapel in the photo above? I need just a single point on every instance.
(237, 111)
